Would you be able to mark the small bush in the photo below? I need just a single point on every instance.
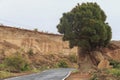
(115, 64)
(75, 71)
(30, 52)
(35, 29)
(73, 58)
(115, 72)
(94, 77)
(16, 64)
(62, 64)
(44, 67)
(2, 67)
(4, 74)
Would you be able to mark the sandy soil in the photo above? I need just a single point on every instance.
(79, 76)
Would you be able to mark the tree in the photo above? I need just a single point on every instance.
(85, 27)
(35, 29)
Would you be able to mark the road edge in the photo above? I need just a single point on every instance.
(67, 75)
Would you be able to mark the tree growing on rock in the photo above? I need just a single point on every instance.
(85, 27)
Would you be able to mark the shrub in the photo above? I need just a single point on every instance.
(73, 58)
(115, 64)
(4, 74)
(43, 67)
(16, 64)
(62, 64)
(115, 72)
(2, 66)
(35, 29)
(94, 77)
(30, 52)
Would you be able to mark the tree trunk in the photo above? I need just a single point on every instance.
(86, 61)
(91, 61)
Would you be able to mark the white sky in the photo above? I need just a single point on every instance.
(45, 14)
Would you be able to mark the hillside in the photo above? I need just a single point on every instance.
(42, 50)
(39, 50)
(108, 67)
(14, 38)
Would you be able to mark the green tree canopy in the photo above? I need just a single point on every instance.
(85, 26)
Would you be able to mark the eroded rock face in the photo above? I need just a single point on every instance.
(103, 64)
(14, 39)
(98, 55)
(113, 50)
(114, 54)
(93, 60)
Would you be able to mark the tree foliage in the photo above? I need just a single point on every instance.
(85, 26)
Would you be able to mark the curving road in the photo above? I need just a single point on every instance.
(53, 74)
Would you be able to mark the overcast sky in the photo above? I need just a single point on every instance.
(45, 14)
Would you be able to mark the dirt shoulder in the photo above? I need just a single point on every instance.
(79, 76)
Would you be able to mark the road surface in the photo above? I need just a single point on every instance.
(53, 74)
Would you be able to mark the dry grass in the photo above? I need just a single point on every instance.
(4, 74)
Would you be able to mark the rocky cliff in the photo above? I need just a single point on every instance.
(15, 39)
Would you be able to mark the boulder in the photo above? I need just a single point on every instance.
(104, 64)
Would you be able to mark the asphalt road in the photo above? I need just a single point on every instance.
(53, 74)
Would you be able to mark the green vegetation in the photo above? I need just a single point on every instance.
(85, 26)
(115, 72)
(4, 74)
(115, 64)
(116, 68)
(112, 73)
(62, 64)
(16, 63)
(73, 58)
(36, 30)
(75, 71)
(21, 63)
(94, 77)
(44, 67)
(13, 64)
(2, 66)
(30, 52)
